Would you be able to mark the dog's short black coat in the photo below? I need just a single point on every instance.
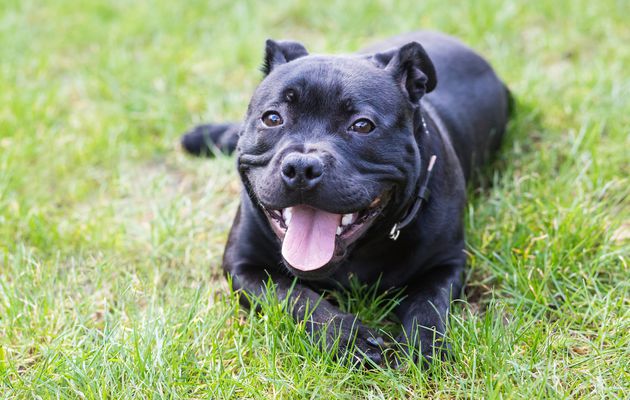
(340, 133)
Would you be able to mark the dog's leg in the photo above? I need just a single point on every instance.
(322, 318)
(424, 311)
(207, 139)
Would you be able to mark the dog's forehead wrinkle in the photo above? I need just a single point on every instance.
(369, 92)
(322, 145)
(338, 78)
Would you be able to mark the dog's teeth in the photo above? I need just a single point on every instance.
(339, 230)
(286, 215)
(347, 219)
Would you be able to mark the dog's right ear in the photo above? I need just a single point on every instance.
(411, 66)
(281, 52)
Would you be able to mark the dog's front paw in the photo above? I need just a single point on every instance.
(350, 339)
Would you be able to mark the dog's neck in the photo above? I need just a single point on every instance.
(422, 193)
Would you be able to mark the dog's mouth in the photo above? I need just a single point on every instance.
(312, 238)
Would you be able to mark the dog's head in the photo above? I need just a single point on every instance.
(328, 148)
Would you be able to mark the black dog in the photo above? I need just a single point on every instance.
(338, 156)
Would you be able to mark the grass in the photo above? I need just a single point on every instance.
(111, 238)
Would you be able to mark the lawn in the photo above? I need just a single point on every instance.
(111, 238)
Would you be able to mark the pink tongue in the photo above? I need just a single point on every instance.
(310, 239)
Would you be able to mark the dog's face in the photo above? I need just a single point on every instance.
(328, 148)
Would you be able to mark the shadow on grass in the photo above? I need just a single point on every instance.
(523, 132)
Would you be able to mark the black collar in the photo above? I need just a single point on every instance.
(422, 196)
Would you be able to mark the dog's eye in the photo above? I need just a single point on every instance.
(362, 125)
(271, 119)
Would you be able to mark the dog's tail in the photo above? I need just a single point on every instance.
(511, 102)
(209, 139)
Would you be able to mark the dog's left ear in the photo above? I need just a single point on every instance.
(281, 52)
(411, 66)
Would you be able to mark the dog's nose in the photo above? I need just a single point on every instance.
(301, 171)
